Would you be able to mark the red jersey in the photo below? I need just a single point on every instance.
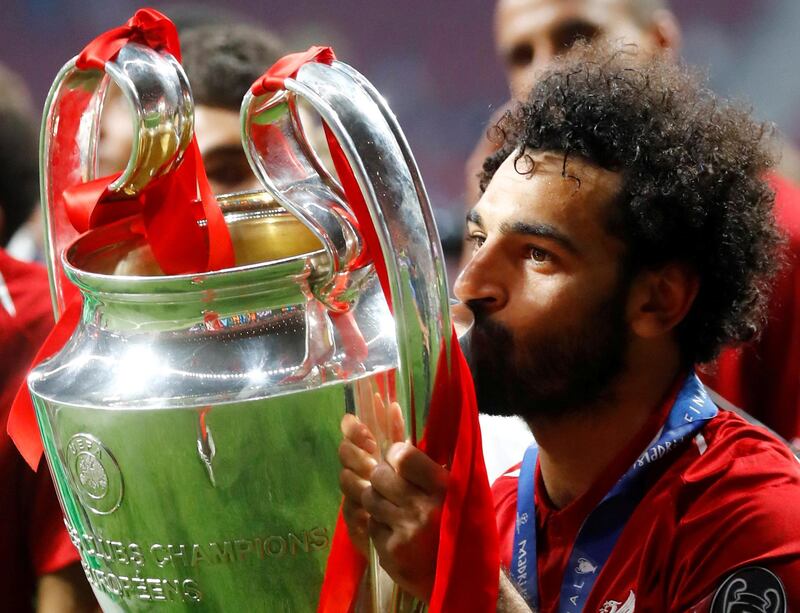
(32, 532)
(763, 377)
(728, 499)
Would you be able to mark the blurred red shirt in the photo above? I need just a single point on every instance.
(763, 377)
(35, 541)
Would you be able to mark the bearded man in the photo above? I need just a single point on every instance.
(625, 233)
(759, 377)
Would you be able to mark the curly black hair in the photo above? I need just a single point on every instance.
(693, 177)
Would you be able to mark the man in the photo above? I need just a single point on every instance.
(40, 568)
(624, 235)
(221, 61)
(760, 377)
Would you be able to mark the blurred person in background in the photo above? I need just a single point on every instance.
(39, 567)
(762, 377)
(221, 61)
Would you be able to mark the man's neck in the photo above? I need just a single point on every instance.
(575, 450)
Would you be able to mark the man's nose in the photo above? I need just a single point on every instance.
(481, 282)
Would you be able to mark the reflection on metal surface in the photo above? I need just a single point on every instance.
(205, 444)
(162, 113)
(221, 392)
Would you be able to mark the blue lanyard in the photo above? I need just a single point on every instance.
(599, 532)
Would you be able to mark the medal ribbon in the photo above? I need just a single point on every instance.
(601, 529)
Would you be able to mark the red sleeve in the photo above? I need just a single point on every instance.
(762, 377)
(504, 492)
(746, 515)
(49, 543)
(757, 593)
(34, 520)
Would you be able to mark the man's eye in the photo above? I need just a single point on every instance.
(539, 255)
(476, 241)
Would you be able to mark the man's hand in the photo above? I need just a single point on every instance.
(396, 502)
(359, 453)
(404, 501)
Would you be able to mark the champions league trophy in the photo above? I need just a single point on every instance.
(191, 421)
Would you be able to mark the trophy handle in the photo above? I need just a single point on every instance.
(387, 175)
(282, 158)
(161, 107)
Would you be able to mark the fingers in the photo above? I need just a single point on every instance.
(357, 464)
(356, 459)
(388, 420)
(381, 509)
(352, 485)
(367, 411)
(386, 482)
(416, 467)
(358, 434)
(357, 520)
(397, 425)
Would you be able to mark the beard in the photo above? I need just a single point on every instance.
(548, 373)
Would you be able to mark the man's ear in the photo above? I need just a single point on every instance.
(666, 32)
(660, 299)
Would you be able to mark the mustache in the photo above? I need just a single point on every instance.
(485, 322)
(486, 337)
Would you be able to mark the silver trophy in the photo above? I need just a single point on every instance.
(191, 422)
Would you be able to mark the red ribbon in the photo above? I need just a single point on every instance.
(170, 209)
(148, 27)
(21, 425)
(468, 561)
(287, 67)
(169, 205)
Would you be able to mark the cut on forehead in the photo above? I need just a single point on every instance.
(641, 10)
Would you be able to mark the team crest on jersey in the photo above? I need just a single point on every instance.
(613, 606)
(750, 590)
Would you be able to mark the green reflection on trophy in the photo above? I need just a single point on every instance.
(191, 422)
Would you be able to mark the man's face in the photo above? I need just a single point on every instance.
(220, 143)
(546, 288)
(532, 33)
(218, 138)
